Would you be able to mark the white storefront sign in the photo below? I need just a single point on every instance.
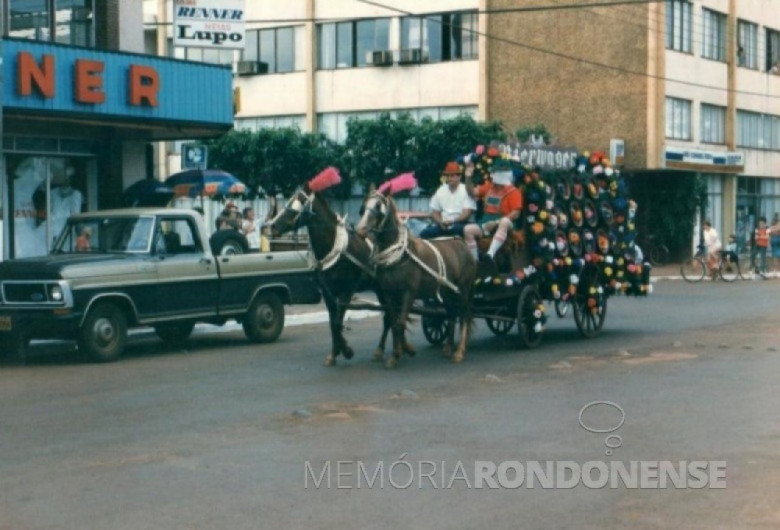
(209, 23)
(700, 160)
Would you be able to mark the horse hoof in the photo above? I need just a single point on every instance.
(409, 350)
(330, 361)
(392, 362)
(446, 351)
(378, 354)
(347, 352)
(458, 357)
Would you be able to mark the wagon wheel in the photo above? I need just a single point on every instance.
(527, 303)
(499, 327)
(561, 308)
(435, 328)
(588, 323)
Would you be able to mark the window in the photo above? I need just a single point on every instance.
(678, 119)
(772, 49)
(713, 124)
(759, 131)
(61, 21)
(445, 37)
(713, 35)
(349, 44)
(280, 49)
(29, 19)
(747, 44)
(203, 55)
(678, 25)
(372, 35)
(335, 125)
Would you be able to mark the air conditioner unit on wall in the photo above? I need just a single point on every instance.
(251, 68)
(411, 56)
(380, 58)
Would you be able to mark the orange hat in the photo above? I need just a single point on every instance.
(230, 206)
(452, 168)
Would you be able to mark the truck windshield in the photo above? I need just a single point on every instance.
(112, 234)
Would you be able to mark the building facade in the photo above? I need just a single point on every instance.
(686, 85)
(81, 107)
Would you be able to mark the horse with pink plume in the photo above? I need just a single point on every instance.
(410, 268)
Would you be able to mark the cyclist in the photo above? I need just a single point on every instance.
(712, 242)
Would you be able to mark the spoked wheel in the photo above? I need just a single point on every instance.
(659, 255)
(589, 323)
(693, 270)
(527, 304)
(435, 328)
(499, 327)
(561, 308)
(729, 270)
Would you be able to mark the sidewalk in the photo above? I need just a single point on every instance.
(671, 271)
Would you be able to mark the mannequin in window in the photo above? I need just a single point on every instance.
(28, 176)
(65, 201)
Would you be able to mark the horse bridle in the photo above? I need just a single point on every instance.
(305, 208)
(374, 211)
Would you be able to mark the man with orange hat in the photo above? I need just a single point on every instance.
(451, 206)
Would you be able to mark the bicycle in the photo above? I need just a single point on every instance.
(695, 268)
(658, 253)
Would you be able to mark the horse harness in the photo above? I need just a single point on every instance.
(340, 243)
(396, 252)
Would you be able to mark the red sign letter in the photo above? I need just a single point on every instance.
(28, 73)
(144, 85)
(89, 81)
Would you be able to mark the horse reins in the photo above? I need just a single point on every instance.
(395, 252)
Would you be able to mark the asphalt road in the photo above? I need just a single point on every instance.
(216, 433)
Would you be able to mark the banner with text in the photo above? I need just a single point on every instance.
(209, 23)
(543, 156)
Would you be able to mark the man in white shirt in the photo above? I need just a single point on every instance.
(250, 229)
(451, 206)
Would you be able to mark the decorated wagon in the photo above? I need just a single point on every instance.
(574, 246)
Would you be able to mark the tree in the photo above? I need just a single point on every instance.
(278, 160)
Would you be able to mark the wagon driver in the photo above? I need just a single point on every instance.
(451, 206)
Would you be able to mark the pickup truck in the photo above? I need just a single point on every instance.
(114, 270)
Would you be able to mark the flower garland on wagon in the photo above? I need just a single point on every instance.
(575, 219)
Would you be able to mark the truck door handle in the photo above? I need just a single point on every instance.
(225, 260)
(268, 256)
(205, 261)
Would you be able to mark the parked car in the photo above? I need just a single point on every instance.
(115, 270)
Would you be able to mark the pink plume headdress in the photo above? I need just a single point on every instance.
(400, 183)
(326, 178)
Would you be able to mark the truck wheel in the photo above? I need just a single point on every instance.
(173, 333)
(227, 242)
(265, 319)
(104, 333)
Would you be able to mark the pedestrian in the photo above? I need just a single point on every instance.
(250, 229)
(762, 244)
(712, 242)
(229, 218)
(775, 240)
(451, 206)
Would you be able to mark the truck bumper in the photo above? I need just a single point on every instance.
(39, 323)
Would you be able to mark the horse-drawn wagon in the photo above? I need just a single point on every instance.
(573, 247)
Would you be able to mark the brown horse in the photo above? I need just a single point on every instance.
(409, 269)
(343, 265)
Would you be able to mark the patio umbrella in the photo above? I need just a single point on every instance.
(148, 192)
(205, 183)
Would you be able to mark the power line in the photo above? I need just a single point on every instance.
(579, 60)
